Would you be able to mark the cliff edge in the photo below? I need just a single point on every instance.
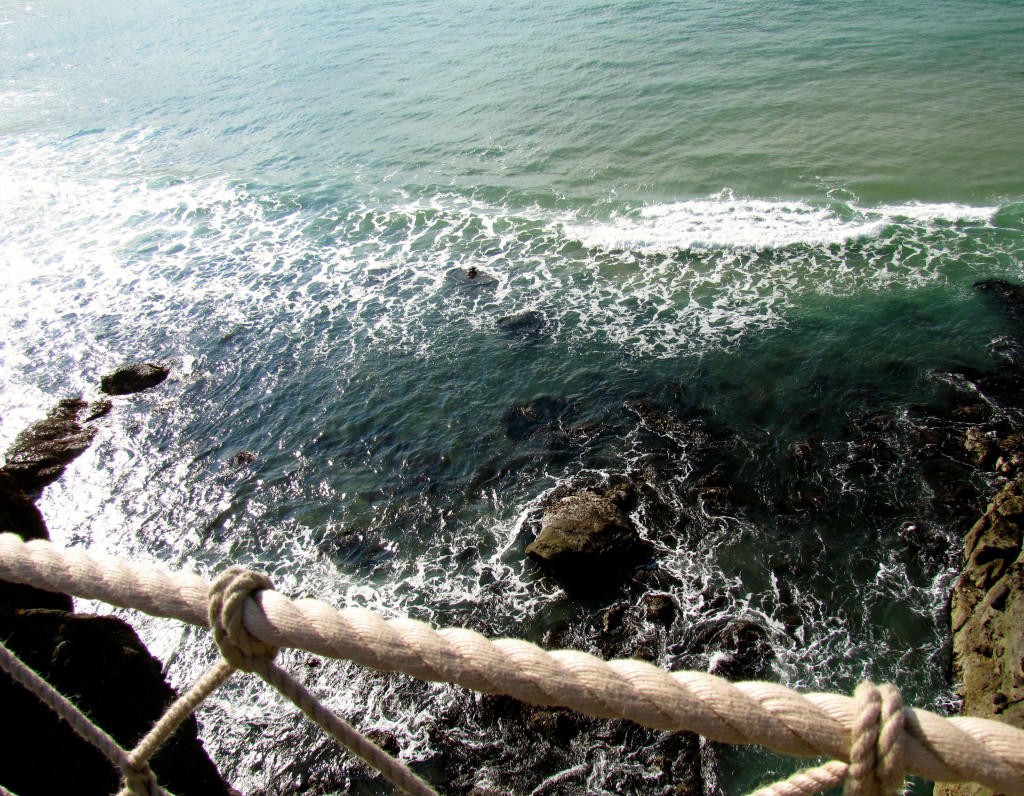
(987, 616)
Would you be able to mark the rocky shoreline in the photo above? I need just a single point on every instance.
(583, 534)
(98, 661)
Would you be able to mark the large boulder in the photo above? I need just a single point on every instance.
(40, 454)
(133, 378)
(102, 666)
(588, 541)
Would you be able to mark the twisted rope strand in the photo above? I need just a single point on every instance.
(941, 749)
(808, 782)
(241, 650)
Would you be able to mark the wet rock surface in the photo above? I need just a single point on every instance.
(133, 378)
(98, 662)
(987, 616)
(40, 454)
(587, 540)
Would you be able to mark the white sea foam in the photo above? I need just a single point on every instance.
(724, 221)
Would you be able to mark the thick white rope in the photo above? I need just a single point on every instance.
(959, 749)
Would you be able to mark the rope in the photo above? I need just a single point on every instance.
(880, 739)
(241, 650)
(139, 780)
(876, 752)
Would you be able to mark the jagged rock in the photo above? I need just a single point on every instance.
(588, 542)
(988, 618)
(981, 446)
(102, 666)
(661, 608)
(41, 453)
(133, 378)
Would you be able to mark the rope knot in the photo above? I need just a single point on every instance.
(139, 780)
(876, 753)
(226, 599)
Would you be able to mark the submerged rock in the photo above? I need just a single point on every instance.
(41, 453)
(588, 542)
(133, 378)
(531, 323)
(1008, 294)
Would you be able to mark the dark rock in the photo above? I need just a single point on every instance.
(981, 446)
(386, 740)
(531, 323)
(535, 416)
(660, 608)
(133, 378)
(243, 458)
(737, 649)
(40, 454)
(1007, 294)
(102, 666)
(472, 277)
(18, 514)
(557, 725)
(587, 542)
(97, 409)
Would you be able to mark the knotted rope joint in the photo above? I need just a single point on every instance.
(227, 597)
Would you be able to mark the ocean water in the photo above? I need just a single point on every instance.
(743, 229)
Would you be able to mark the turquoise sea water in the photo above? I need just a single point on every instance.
(761, 219)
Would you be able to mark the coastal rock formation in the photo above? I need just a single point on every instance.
(988, 618)
(40, 454)
(98, 662)
(18, 514)
(133, 378)
(588, 541)
(101, 663)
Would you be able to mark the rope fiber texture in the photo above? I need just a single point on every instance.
(872, 740)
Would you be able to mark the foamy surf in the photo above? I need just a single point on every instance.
(726, 222)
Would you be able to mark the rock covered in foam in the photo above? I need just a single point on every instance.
(133, 378)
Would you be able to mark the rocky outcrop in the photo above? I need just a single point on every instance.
(98, 662)
(104, 667)
(588, 541)
(18, 514)
(133, 378)
(40, 454)
(988, 618)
